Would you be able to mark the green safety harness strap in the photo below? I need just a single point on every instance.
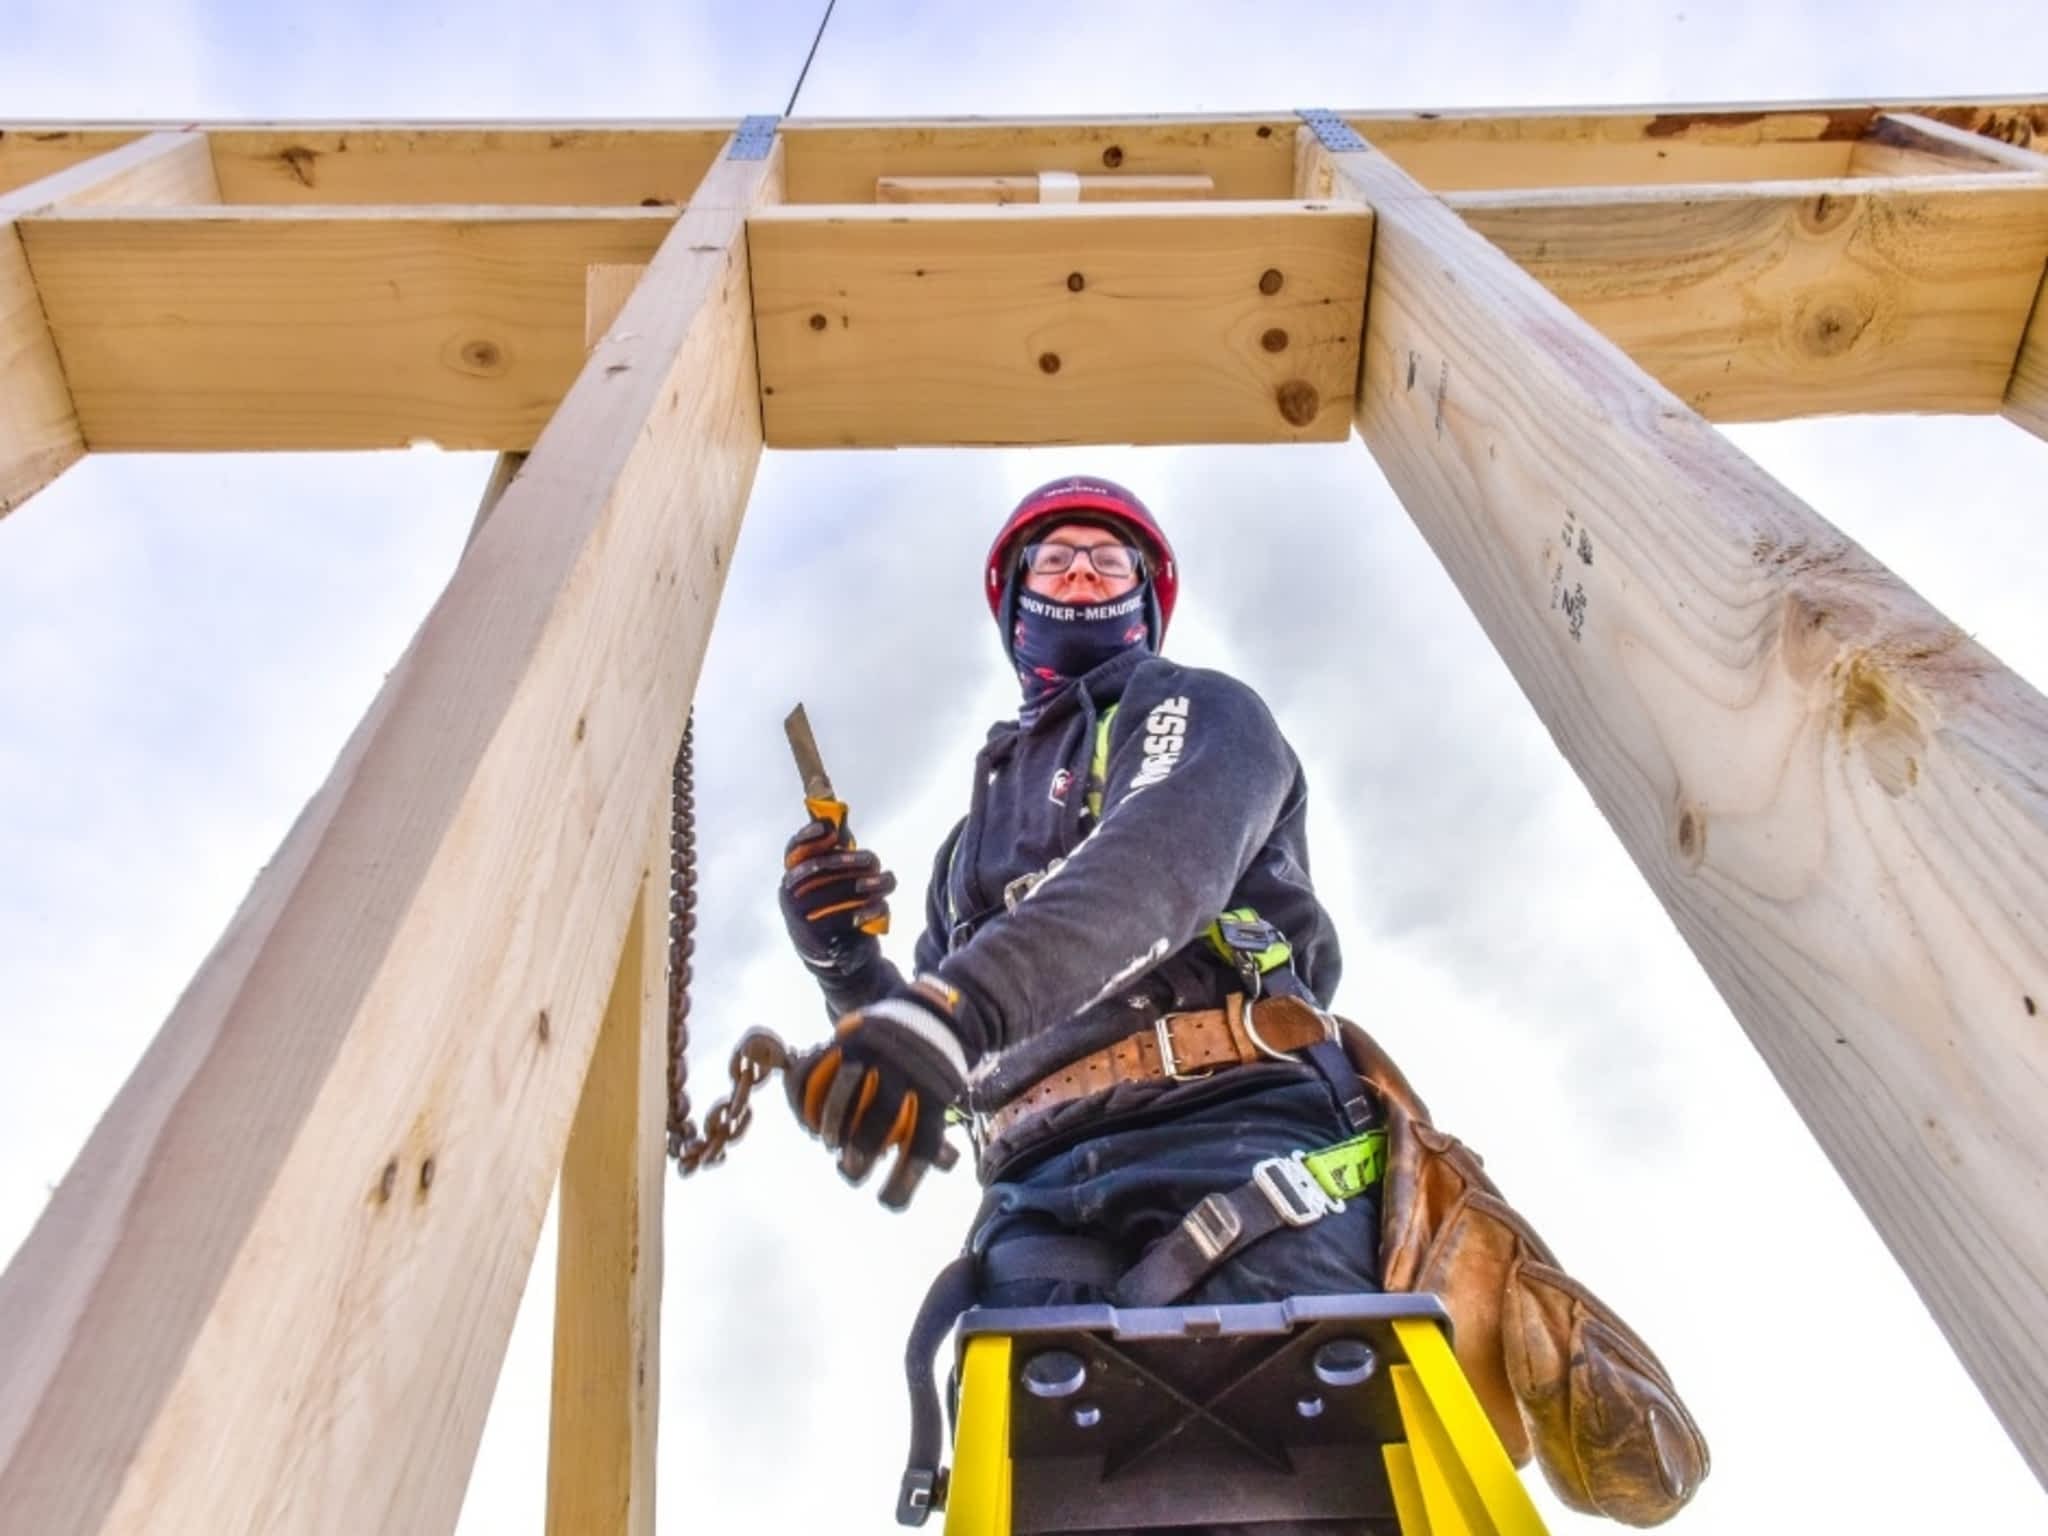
(1351, 1167)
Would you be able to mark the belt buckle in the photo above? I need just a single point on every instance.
(1167, 1064)
(1293, 1192)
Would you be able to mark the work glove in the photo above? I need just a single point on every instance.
(834, 899)
(886, 1079)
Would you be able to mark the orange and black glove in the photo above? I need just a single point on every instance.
(834, 899)
(885, 1080)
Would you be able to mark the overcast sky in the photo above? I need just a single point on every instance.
(186, 642)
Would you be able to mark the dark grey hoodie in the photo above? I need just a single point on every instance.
(1203, 812)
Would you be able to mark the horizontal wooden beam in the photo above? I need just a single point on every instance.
(1043, 187)
(40, 431)
(1836, 794)
(35, 152)
(832, 161)
(274, 1290)
(251, 328)
(1792, 299)
(392, 164)
(1170, 323)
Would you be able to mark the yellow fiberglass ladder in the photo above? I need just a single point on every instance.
(1342, 1408)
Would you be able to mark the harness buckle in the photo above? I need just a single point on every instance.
(1215, 1226)
(1167, 1064)
(1293, 1191)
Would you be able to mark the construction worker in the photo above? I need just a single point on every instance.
(1121, 980)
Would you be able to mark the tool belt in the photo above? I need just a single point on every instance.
(1558, 1372)
(1180, 1046)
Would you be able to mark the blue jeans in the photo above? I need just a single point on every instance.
(1130, 1186)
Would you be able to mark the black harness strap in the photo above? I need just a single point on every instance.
(952, 1292)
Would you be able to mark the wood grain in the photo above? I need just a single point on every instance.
(1058, 323)
(40, 434)
(1839, 798)
(839, 160)
(381, 164)
(275, 1288)
(36, 152)
(607, 1376)
(254, 328)
(1763, 302)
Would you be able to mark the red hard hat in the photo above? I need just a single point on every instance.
(1085, 496)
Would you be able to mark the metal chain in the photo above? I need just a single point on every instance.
(759, 1055)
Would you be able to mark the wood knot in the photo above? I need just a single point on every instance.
(483, 356)
(1076, 282)
(299, 161)
(1876, 712)
(387, 1181)
(1692, 836)
(1275, 340)
(1271, 281)
(543, 1027)
(1113, 156)
(1828, 211)
(818, 322)
(1831, 324)
(426, 1175)
(1048, 362)
(1805, 643)
(1299, 402)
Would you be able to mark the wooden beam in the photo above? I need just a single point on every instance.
(276, 1286)
(1249, 156)
(1902, 144)
(2026, 397)
(1755, 303)
(607, 1377)
(32, 153)
(839, 161)
(1043, 187)
(40, 434)
(504, 470)
(386, 164)
(1193, 322)
(251, 328)
(1834, 792)
(2026, 392)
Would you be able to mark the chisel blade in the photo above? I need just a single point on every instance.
(803, 746)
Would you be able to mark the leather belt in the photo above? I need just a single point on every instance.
(1182, 1046)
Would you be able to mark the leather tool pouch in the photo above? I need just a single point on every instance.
(1559, 1374)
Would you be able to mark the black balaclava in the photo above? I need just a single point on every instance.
(1051, 643)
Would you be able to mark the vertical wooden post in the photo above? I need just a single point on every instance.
(607, 1381)
(276, 1286)
(1839, 798)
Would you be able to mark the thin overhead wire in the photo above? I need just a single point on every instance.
(823, 22)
